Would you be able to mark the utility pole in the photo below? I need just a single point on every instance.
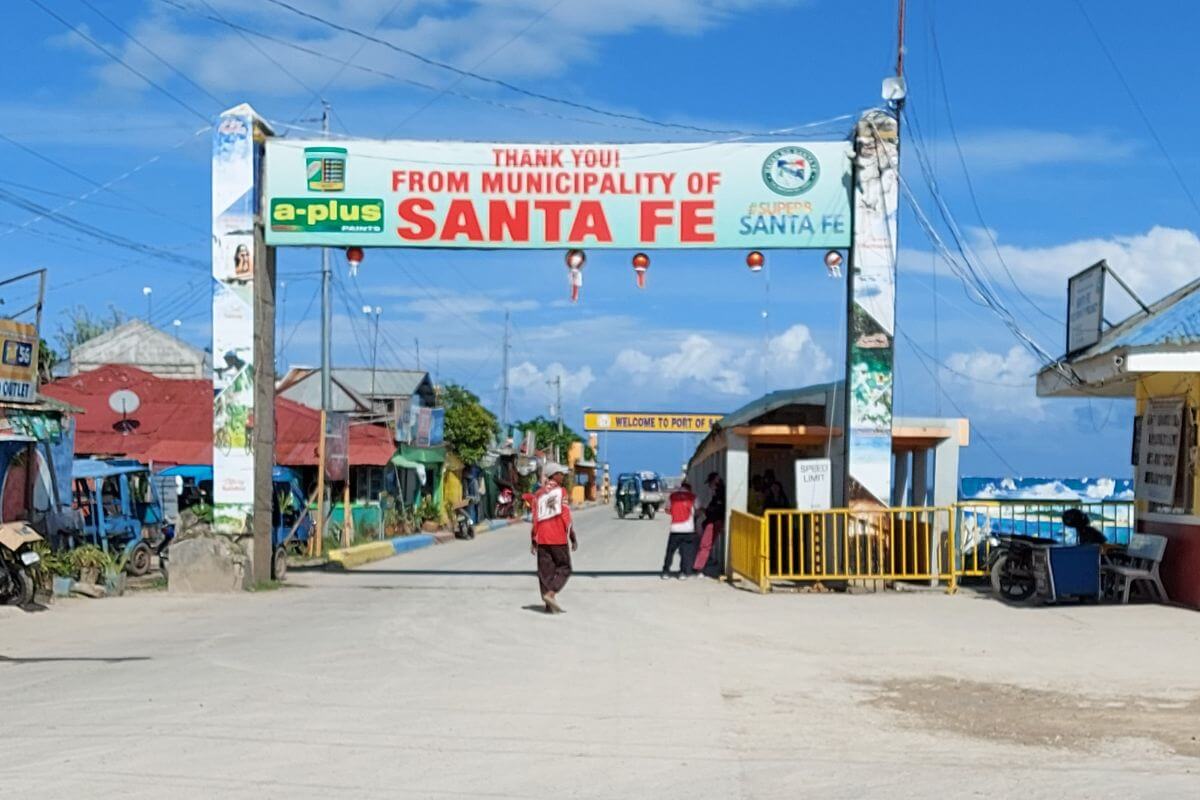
(326, 301)
(557, 382)
(374, 345)
(504, 380)
(326, 360)
(417, 344)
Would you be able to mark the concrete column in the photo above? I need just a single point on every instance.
(920, 477)
(737, 480)
(900, 478)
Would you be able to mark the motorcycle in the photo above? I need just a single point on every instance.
(464, 528)
(505, 502)
(18, 560)
(1010, 565)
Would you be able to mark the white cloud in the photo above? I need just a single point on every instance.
(704, 366)
(1019, 148)
(1154, 263)
(514, 39)
(999, 383)
(536, 384)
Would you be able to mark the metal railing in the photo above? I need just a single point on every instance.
(979, 520)
(887, 544)
(747, 548)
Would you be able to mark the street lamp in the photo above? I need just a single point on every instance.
(148, 293)
(377, 310)
(176, 324)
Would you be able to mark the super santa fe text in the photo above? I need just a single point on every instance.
(568, 194)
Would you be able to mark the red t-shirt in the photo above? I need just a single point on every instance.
(683, 509)
(551, 515)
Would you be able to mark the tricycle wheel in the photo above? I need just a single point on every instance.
(139, 560)
(1011, 588)
(621, 512)
(279, 564)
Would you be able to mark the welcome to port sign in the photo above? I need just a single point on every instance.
(745, 195)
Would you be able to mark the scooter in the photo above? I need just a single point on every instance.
(505, 502)
(463, 527)
(18, 560)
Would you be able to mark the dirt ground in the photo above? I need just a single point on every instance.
(434, 674)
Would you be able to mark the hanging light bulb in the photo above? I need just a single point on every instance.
(575, 261)
(641, 263)
(354, 257)
(755, 261)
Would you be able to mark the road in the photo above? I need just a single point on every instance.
(428, 675)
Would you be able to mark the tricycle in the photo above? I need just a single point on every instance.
(121, 510)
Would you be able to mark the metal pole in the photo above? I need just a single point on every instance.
(375, 353)
(417, 343)
(504, 381)
(326, 303)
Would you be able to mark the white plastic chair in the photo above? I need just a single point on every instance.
(1140, 562)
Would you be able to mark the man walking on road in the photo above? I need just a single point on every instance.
(552, 528)
(682, 535)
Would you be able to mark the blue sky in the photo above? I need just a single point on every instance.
(1064, 170)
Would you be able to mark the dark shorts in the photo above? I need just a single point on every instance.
(553, 567)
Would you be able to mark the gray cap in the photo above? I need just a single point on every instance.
(552, 468)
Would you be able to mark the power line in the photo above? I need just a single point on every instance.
(154, 55)
(1138, 106)
(459, 79)
(971, 185)
(171, 95)
(976, 429)
(496, 81)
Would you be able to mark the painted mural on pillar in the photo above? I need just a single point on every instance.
(237, 157)
(871, 329)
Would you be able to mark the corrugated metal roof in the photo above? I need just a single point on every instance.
(1176, 324)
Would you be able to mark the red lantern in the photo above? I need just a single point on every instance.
(575, 261)
(354, 257)
(641, 262)
(755, 261)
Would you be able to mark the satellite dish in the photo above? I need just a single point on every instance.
(123, 401)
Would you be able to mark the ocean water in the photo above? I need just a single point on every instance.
(1065, 489)
(1033, 506)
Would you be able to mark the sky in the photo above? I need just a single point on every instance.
(1046, 156)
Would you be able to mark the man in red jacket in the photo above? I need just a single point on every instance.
(682, 535)
(552, 528)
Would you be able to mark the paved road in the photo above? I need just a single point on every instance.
(427, 676)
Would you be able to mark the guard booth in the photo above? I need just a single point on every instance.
(1152, 357)
(795, 438)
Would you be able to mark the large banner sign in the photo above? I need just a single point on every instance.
(18, 361)
(1159, 449)
(633, 421)
(637, 196)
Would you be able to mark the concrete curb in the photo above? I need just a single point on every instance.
(349, 557)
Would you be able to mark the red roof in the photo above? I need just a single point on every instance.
(174, 422)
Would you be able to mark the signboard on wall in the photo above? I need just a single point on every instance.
(337, 445)
(1159, 449)
(479, 195)
(633, 421)
(1085, 308)
(814, 484)
(18, 361)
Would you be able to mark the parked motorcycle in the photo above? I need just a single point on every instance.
(505, 503)
(18, 560)
(1010, 564)
(464, 528)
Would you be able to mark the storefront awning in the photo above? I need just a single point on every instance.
(410, 457)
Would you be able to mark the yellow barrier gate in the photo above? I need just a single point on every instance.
(887, 544)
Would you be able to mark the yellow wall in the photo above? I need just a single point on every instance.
(1172, 384)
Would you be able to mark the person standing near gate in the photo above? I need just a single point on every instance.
(682, 535)
(552, 529)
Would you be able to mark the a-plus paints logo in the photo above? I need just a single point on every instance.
(791, 171)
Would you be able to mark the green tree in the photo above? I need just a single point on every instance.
(548, 437)
(47, 359)
(469, 427)
(82, 325)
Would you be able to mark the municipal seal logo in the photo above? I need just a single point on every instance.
(791, 171)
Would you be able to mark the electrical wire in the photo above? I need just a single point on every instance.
(220, 103)
(82, 35)
(1112, 61)
(496, 81)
